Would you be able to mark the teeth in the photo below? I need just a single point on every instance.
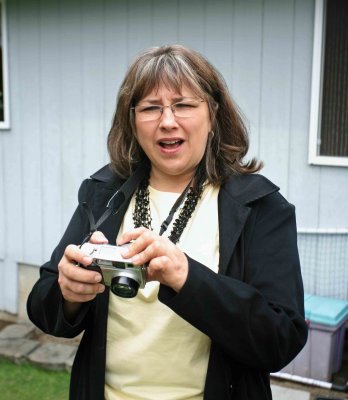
(170, 141)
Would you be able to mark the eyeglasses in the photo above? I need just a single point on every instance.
(183, 109)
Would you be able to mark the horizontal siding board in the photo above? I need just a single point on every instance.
(2, 285)
(50, 126)
(2, 204)
(71, 104)
(93, 147)
(333, 194)
(10, 289)
(303, 180)
(276, 89)
(13, 195)
(14, 198)
(115, 56)
(217, 47)
(140, 22)
(191, 24)
(165, 28)
(247, 62)
(29, 39)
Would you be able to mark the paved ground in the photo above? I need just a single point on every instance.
(22, 342)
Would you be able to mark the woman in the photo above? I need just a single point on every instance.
(223, 303)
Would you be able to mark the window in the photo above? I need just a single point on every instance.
(329, 103)
(4, 96)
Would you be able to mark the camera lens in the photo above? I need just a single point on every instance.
(124, 286)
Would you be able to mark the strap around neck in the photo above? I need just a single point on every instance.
(114, 204)
(176, 205)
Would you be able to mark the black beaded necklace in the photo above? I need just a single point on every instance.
(142, 212)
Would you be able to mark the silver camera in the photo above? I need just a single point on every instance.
(123, 277)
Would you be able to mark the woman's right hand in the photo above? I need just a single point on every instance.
(79, 285)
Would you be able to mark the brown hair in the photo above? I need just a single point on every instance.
(176, 66)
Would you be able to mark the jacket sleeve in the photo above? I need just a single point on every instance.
(45, 302)
(257, 321)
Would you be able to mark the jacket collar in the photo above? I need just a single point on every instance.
(108, 177)
(245, 189)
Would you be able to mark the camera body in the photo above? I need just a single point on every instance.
(123, 277)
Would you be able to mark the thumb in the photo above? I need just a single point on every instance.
(98, 238)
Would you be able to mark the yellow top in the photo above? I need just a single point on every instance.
(152, 353)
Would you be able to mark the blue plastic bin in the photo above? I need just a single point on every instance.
(322, 355)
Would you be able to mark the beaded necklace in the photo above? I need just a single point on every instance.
(142, 211)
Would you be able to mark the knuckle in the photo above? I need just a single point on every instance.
(70, 248)
(60, 281)
(80, 288)
(147, 234)
(144, 255)
(157, 245)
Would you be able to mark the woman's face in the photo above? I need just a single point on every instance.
(175, 145)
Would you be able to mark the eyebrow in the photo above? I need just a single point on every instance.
(158, 101)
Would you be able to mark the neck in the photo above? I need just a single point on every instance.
(174, 184)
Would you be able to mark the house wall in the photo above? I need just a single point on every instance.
(67, 59)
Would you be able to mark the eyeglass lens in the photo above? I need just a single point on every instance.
(182, 109)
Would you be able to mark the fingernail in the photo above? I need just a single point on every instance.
(97, 278)
(101, 289)
(124, 253)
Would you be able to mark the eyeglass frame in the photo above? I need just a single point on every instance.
(162, 107)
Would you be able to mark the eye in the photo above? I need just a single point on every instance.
(185, 104)
(148, 109)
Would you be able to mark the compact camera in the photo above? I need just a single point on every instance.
(123, 277)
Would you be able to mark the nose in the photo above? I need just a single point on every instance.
(167, 119)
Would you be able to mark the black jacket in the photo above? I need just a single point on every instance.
(252, 310)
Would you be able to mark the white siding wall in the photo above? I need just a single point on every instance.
(67, 59)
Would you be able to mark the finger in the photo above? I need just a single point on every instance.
(83, 289)
(131, 235)
(162, 269)
(74, 272)
(155, 267)
(79, 286)
(145, 250)
(98, 238)
(71, 296)
(75, 254)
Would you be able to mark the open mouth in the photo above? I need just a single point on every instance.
(170, 144)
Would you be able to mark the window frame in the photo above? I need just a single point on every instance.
(5, 124)
(316, 92)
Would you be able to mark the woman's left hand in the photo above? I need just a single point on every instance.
(166, 262)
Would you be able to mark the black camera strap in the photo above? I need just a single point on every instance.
(177, 204)
(116, 200)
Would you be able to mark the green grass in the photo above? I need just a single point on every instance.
(26, 382)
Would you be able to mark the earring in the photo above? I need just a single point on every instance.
(212, 133)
